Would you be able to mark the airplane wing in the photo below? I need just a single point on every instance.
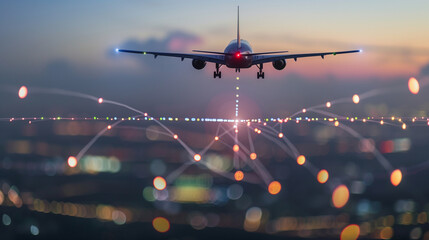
(204, 57)
(270, 58)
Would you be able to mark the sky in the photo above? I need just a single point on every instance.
(71, 45)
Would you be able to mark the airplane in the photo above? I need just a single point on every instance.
(238, 54)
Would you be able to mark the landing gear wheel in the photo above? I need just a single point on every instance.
(217, 73)
(260, 74)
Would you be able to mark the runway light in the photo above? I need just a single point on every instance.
(322, 176)
(328, 104)
(159, 183)
(351, 232)
(72, 162)
(356, 99)
(274, 187)
(413, 85)
(300, 160)
(281, 135)
(100, 100)
(197, 157)
(23, 91)
(396, 177)
(340, 196)
(161, 224)
(253, 156)
(239, 175)
(236, 148)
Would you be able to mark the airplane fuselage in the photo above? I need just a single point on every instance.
(235, 56)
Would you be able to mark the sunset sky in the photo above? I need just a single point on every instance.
(76, 39)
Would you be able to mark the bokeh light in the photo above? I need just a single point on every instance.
(396, 177)
(197, 157)
(328, 104)
(356, 99)
(239, 175)
(340, 196)
(253, 156)
(322, 176)
(236, 148)
(72, 161)
(274, 187)
(23, 91)
(100, 100)
(281, 135)
(161, 224)
(351, 232)
(175, 136)
(159, 183)
(413, 85)
(300, 160)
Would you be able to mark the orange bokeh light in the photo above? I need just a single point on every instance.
(72, 162)
(396, 177)
(216, 138)
(161, 224)
(236, 148)
(300, 160)
(323, 176)
(175, 136)
(197, 157)
(274, 187)
(351, 232)
(159, 183)
(340, 196)
(23, 91)
(281, 135)
(356, 99)
(253, 156)
(239, 175)
(413, 85)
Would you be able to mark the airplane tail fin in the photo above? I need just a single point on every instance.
(238, 27)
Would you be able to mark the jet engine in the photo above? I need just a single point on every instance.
(198, 64)
(279, 64)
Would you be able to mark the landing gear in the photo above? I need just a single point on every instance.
(217, 73)
(260, 74)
